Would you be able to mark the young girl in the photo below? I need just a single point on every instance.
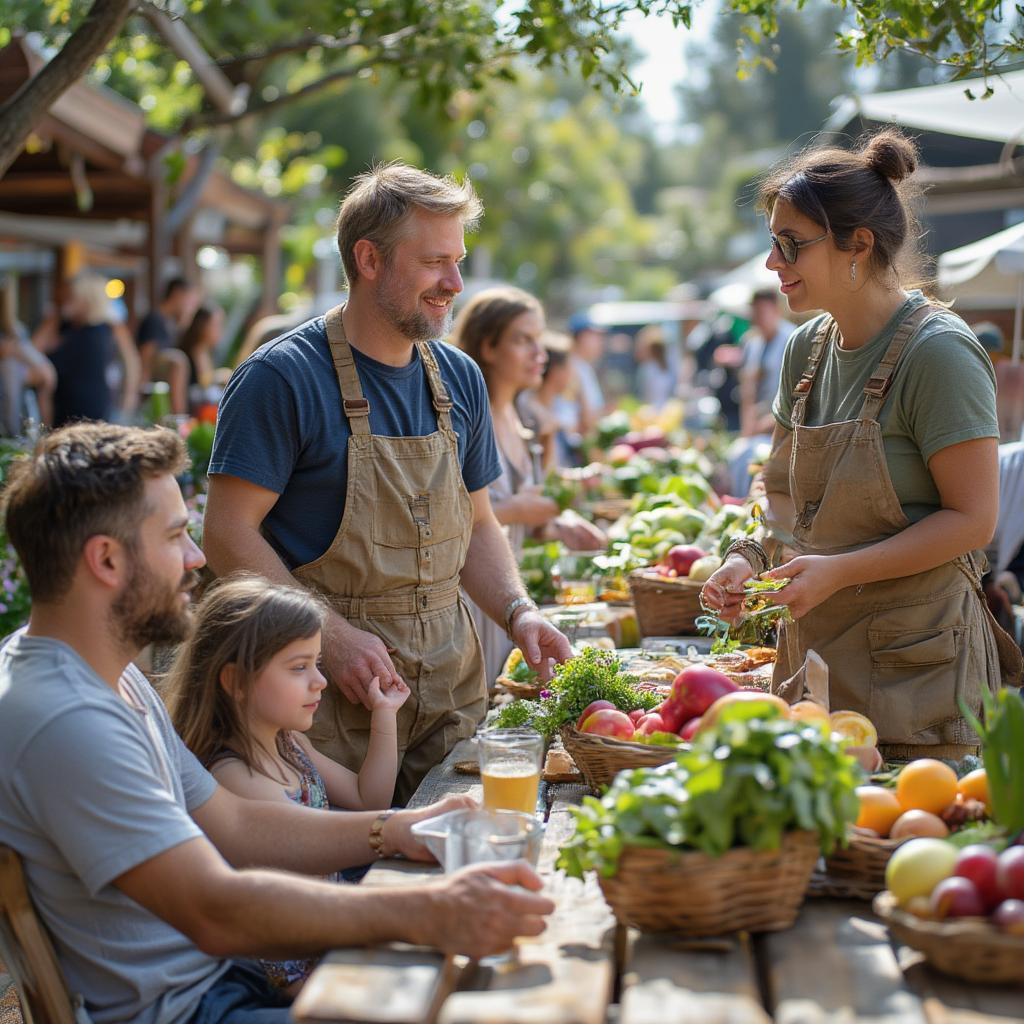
(243, 691)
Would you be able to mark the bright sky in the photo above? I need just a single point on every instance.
(664, 65)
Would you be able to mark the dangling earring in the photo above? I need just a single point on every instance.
(853, 272)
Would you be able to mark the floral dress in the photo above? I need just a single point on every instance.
(311, 792)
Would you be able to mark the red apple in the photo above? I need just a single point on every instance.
(635, 716)
(1009, 917)
(597, 705)
(979, 865)
(609, 722)
(1010, 873)
(956, 897)
(681, 557)
(672, 715)
(696, 688)
(652, 722)
(689, 729)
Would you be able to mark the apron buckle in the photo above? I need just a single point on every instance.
(357, 407)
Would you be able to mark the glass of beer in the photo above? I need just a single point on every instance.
(510, 763)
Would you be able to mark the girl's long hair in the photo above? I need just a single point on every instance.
(243, 620)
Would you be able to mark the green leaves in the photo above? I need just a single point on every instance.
(592, 675)
(1002, 751)
(752, 778)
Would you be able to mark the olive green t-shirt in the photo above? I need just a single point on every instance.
(943, 392)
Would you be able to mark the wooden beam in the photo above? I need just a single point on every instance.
(57, 183)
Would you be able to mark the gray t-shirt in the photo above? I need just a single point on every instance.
(943, 393)
(91, 786)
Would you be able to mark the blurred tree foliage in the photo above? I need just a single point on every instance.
(573, 179)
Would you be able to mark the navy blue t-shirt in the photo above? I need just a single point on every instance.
(281, 426)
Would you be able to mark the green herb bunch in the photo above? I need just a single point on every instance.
(753, 777)
(759, 619)
(592, 675)
(1002, 751)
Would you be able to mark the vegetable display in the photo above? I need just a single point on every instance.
(745, 782)
(591, 676)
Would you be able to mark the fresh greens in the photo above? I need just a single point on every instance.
(1002, 751)
(535, 566)
(753, 777)
(755, 626)
(592, 675)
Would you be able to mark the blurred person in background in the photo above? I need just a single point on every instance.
(655, 379)
(587, 349)
(157, 339)
(83, 344)
(27, 378)
(501, 329)
(546, 408)
(1009, 381)
(198, 342)
(763, 348)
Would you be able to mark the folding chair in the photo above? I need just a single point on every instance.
(27, 952)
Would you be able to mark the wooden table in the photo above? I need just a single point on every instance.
(835, 966)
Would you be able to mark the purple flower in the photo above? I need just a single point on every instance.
(545, 694)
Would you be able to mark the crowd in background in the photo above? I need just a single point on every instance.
(81, 361)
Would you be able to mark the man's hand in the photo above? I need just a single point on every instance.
(397, 831)
(353, 657)
(481, 909)
(540, 642)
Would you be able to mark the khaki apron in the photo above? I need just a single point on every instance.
(393, 570)
(901, 651)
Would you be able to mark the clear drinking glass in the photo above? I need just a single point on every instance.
(510, 764)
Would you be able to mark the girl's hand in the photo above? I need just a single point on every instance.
(722, 595)
(813, 579)
(390, 699)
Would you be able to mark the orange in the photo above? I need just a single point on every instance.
(974, 786)
(926, 785)
(879, 808)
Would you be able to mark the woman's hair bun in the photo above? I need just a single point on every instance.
(891, 154)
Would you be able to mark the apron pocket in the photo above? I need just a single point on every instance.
(916, 677)
(428, 550)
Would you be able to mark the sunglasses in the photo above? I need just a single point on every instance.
(789, 247)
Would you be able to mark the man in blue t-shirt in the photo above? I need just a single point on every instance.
(389, 523)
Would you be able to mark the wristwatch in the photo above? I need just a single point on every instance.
(512, 607)
(376, 838)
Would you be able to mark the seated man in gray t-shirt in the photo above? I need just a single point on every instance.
(145, 871)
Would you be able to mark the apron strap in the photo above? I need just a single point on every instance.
(878, 385)
(439, 393)
(353, 402)
(806, 381)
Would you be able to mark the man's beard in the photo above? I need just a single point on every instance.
(413, 323)
(149, 613)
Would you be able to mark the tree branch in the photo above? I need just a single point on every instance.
(211, 118)
(21, 112)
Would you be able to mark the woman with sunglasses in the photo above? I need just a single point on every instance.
(883, 482)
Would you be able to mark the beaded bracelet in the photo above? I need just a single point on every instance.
(753, 552)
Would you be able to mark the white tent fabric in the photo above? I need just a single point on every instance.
(989, 272)
(946, 108)
(735, 288)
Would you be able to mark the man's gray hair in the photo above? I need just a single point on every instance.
(382, 199)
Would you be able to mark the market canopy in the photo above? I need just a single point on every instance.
(945, 108)
(988, 273)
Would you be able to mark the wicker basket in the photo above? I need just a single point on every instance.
(530, 691)
(601, 758)
(691, 893)
(857, 871)
(969, 948)
(665, 606)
